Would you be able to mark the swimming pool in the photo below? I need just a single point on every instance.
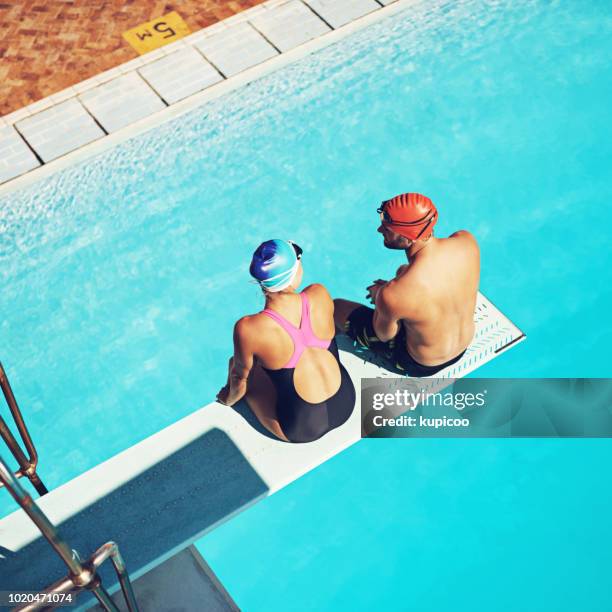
(121, 278)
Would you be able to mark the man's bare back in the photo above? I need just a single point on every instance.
(435, 296)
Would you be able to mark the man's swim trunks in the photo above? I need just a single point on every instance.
(360, 327)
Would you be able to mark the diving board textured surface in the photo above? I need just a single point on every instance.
(159, 496)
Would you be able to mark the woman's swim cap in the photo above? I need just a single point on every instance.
(275, 263)
(411, 215)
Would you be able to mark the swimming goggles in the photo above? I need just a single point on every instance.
(297, 248)
(386, 218)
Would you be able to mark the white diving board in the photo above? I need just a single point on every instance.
(159, 496)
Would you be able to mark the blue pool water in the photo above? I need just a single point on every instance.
(121, 278)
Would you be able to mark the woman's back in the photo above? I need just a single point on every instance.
(279, 345)
(286, 360)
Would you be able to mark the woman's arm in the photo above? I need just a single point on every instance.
(239, 367)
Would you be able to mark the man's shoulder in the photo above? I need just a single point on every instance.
(464, 236)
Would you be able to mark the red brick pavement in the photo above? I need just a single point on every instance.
(47, 45)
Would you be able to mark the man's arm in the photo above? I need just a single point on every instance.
(386, 320)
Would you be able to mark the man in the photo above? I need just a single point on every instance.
(423, 319)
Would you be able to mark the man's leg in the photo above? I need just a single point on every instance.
(357, 323)
(342, 311)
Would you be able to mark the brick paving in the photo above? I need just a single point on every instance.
(47, 45)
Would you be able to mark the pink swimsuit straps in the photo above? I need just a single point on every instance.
(303, 337)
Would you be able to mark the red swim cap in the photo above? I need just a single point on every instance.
(411, 215)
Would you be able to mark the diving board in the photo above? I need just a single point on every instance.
(159, 496)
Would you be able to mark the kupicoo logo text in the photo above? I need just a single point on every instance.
(403, 400)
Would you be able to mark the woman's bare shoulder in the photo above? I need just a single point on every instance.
(317, 290)
(250, 325)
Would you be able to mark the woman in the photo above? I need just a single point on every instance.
(285, 357)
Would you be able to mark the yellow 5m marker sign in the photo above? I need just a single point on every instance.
(157, 32)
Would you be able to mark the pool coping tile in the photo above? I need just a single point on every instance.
(59, 129)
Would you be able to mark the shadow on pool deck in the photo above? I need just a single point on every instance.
(151, 517)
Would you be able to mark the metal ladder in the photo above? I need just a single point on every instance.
(80, 576)
(27, 465)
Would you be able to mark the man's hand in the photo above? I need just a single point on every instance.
(373, 290)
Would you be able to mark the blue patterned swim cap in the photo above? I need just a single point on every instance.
(275, 263)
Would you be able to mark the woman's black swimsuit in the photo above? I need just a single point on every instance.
(302, 421)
